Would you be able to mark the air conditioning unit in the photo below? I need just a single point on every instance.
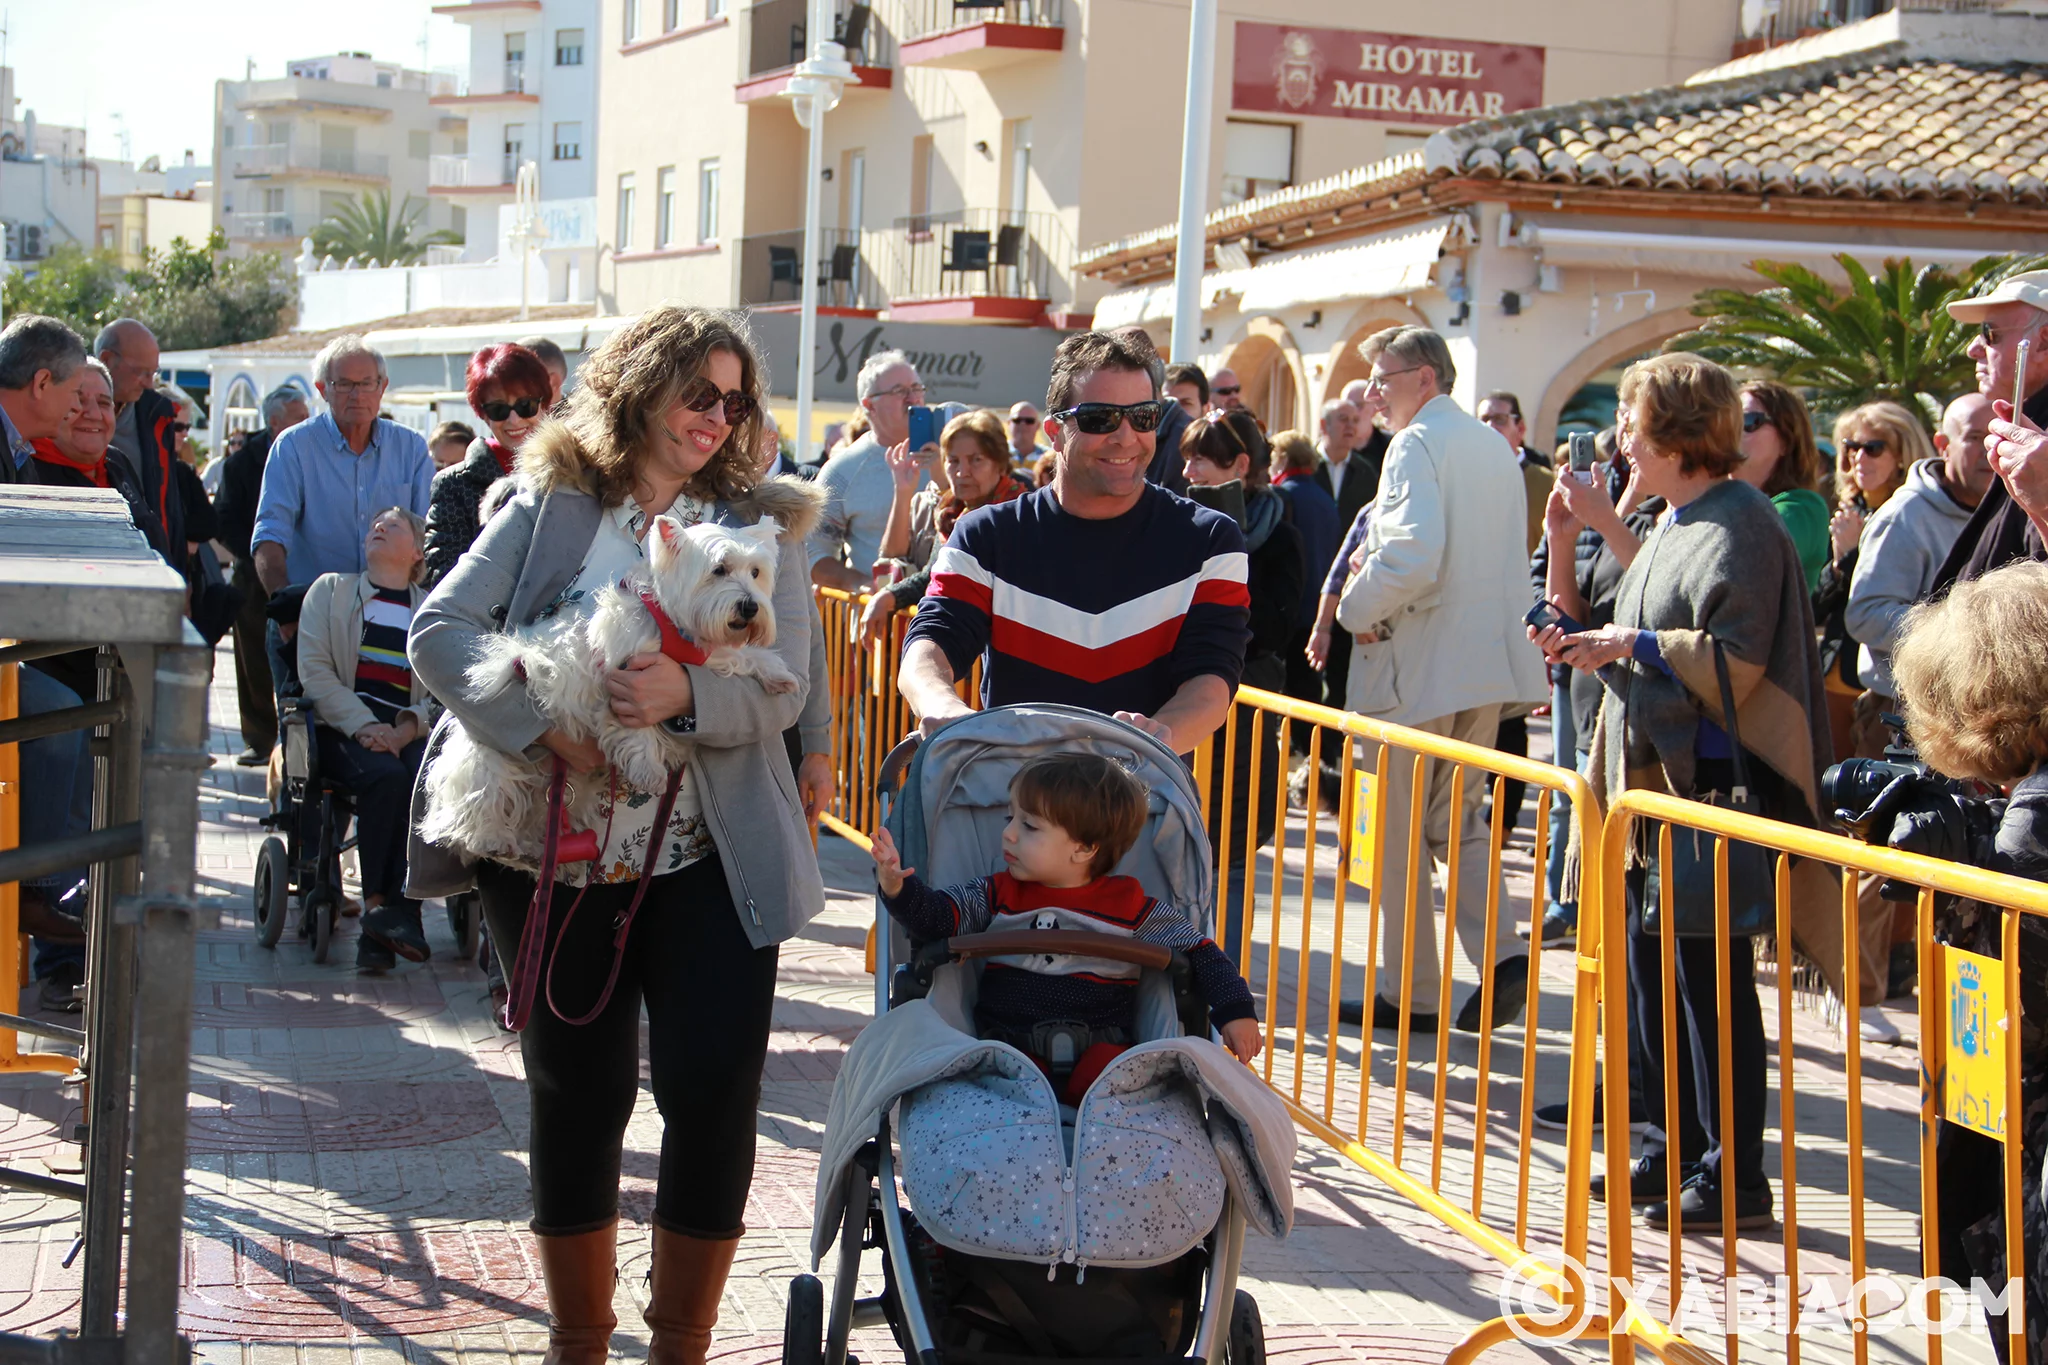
(31, 242)
(12, 251)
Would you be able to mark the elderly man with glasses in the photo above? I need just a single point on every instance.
(1100, 590)
(146, 435)
(1433, 601)
(847, 544)
(2011, 522)
(1025, 447)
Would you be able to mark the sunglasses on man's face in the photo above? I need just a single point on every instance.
(181, 427)
(1100, 419)
(1023, 421)
(703, 395)
(1991, 332)
(1751, 421)
(498, 412)
(1225, 390)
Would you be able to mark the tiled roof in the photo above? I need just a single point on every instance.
(1841, 129)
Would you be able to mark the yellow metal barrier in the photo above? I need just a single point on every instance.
(1629, 1318)
(13, 943)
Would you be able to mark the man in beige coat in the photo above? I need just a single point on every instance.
(1434, 606)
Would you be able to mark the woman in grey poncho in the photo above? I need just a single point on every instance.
(1717, 568)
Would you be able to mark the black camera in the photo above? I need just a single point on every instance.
(1901, 803)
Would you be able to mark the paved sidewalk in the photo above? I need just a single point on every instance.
(358, 1184)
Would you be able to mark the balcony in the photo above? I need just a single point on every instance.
(458, 175)
(264, 227)
(484, 9)
(1786, 21)
(771, 272)
(977, 265)
(281, 159)
(962, 35)
(452, 90)
(777, 42)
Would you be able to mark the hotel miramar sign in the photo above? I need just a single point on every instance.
(1387, 77)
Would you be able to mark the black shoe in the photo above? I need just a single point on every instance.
(373, 958)
(59, 994)
(1699, 1207)
(1556, 1116)
(1510, 993)
(1385, 1015)
(252, 757)
(1560, 925)
(1645, 1180)
(397, 929)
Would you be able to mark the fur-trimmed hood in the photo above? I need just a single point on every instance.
(552, 461)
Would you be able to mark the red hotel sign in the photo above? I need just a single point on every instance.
(1390, 77)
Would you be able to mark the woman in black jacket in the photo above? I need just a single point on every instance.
(508, 388)
(1226, 460)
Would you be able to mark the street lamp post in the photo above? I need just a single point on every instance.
(528, 231)
(1194, 181)
(814, 90)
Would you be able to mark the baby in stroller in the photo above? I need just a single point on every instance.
(1073, 816)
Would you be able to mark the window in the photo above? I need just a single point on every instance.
(629, 29)
(279, 133)
(568, 142)
(671, 15)
(419, 143)
(664, 207)
(568, 47)
(458, 219)
(714, 9)
(626, 207)
(273, 201)
(1258, 158)
(707, 200)
(515, 63)
(922, 152)
(1399, 140)
(1020, 166)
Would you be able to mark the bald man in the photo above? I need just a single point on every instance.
(144, 442)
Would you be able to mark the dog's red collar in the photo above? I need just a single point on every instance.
(673, 642)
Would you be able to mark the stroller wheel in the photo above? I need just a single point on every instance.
(464, 916)
(803, 1323)
(319, 911)
(273, 888)
(1247, 1332)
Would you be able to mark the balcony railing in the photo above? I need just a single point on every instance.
(279, 158)
(779, 40)
(264, 227)
(983, 253)
(772, 271)
(1785, 20)
(937, 16)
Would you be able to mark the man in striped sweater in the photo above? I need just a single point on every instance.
(1099, 590)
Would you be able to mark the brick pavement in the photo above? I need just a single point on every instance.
(359, 1192)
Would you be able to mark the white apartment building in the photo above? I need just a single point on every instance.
(48, 189)
(289, 151)
(530, 95)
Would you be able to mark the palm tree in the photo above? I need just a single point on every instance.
(367, 228)
(1888, 336)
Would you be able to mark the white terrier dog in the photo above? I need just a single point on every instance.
(713, 584)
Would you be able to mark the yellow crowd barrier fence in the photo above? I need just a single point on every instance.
(1314, 911)
(14, 946)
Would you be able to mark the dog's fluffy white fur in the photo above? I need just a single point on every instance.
(716, 583)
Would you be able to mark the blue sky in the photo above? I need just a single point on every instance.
(84, 61)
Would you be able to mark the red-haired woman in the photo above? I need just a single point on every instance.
(508, 387)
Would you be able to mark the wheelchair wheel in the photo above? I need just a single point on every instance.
(803, 1322)
(322, 905)
(273, 889)
(465, 915)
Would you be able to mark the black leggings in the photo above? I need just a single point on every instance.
(709, 993)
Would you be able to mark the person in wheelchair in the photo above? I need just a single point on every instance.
(373, 718)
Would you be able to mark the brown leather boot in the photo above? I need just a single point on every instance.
(682, 1304)
(581, 1271)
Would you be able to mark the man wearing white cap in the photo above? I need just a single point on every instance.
(2012, 521)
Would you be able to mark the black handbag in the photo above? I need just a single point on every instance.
(1752, 883)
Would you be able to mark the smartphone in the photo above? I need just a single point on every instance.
(1584, 454)
(2019, 378)
(1543, 616)
(924, 427)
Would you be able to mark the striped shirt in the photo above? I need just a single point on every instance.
(1111, 615)
(383, 677)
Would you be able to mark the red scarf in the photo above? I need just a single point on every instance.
(951, 509)
(47, 450)
(503, 456)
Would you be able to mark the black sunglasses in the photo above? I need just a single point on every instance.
(1100, 419)
(1752, 420)
(1224, 390)
(703, 395)
(181, 427)
(1866, 447)
(498, 412)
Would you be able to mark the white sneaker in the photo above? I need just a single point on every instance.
(1876, 1026)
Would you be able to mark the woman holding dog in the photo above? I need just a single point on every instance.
(666, 421)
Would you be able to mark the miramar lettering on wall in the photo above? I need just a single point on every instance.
(1388, 77)
(966, 364)
(842, 358)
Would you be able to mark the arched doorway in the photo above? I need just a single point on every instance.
(1618, 347)
(1268, 365)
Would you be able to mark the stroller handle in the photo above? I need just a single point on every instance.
(1079, 942)
(890, 776)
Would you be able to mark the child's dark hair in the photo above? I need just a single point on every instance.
(1096, 802)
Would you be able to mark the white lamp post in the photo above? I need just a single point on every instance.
(814, 91)
(528, 232)
(1192, 242)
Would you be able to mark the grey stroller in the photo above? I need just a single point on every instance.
(1107, 1231)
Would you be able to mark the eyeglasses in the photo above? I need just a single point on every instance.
(1225, 390)
(1023, 421)
(525, 407)
(703, 395)
(913, 392)
(1100, 419)
(1866, 447)
(181, 427)
(344, 387)
(1378, 380)
(1991, 333)
(1752, 421)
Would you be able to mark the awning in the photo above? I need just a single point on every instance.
(1374, 269)
(1714, 257)
(1129, 307)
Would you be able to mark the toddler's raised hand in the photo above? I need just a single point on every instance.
(1242, 1037)
(889, 868)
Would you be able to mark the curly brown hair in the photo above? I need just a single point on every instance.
(1972, 673)
(638, 375)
